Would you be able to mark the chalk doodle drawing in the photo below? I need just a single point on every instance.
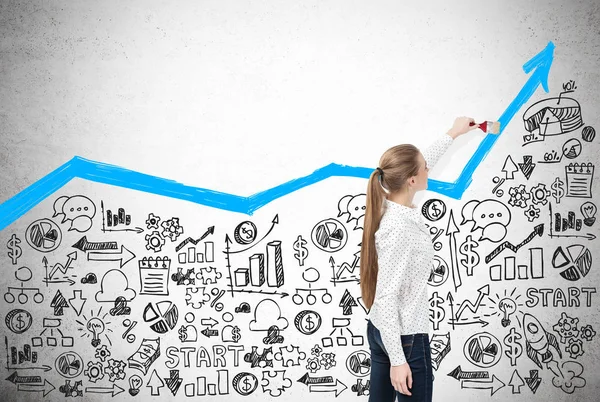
(147, 302)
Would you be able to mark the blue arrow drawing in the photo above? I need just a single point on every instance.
(18, 205)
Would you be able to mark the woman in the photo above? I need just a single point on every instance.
(395, 263)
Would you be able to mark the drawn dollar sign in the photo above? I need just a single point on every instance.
(247, 385)
(471, 257)
(301, 251)
(558, 190)
(20, 323)
(235, 334)
(309, 323)
(436, 313)
(183, 333)
(513, 347)
(14, 250)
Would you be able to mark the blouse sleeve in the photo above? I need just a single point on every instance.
(435, 150)
(393, 262)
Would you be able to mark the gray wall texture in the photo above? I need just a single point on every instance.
(120, 285)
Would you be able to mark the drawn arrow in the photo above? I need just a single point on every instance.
(77, 301)
(124, 256)
(306, 379)
(115, 390)
(84, 245)
(46, 387)
(451, 231)
(274, 222)
(459, 374)
(18, 205)
(537, 231)
(282, 294)
(211, 322)
(16, 379)
(44, 367)
(58, 266)
(338, 387)
(155, 383)
(210, 230)
(494, 385)
(483, 291)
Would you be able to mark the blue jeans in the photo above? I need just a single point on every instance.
(418, 356)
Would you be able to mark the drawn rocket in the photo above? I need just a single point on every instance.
(537, 341)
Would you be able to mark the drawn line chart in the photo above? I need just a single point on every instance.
(78, 167)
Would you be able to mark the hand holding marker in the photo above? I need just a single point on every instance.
(488, 127)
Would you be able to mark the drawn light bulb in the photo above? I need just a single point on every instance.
(508, 307)
(96, 327)
(135, 382)
(588, 210)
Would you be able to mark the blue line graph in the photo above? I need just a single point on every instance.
(79, 167)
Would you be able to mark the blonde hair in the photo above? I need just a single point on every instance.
(399, 163)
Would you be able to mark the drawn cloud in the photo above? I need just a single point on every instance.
(266, 314)
(114, 284)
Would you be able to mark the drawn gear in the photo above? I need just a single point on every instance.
(172, 229)
(532, 213)
(115, 370)
(328, 360)
(152, 221)
(566, 327)
(518, 196)
(587, 332)
(575, 348)
(94, 371)
(313, 364)
(539, 194)
(102, 353)
(154, 241)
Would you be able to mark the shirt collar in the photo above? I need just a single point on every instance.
(394, 207)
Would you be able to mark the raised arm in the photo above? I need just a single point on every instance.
(435, 150)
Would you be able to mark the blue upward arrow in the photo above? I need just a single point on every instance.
(18, 205)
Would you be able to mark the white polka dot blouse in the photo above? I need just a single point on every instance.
(405, 258)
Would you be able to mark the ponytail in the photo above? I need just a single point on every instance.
(368, 253)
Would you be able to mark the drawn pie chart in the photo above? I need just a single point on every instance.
(483, 349)
(329, 235)
(43, 235)
(572, 148)
(439, 272)
(575, 262)
(162, 316)
(69, 364)
(359, 363)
